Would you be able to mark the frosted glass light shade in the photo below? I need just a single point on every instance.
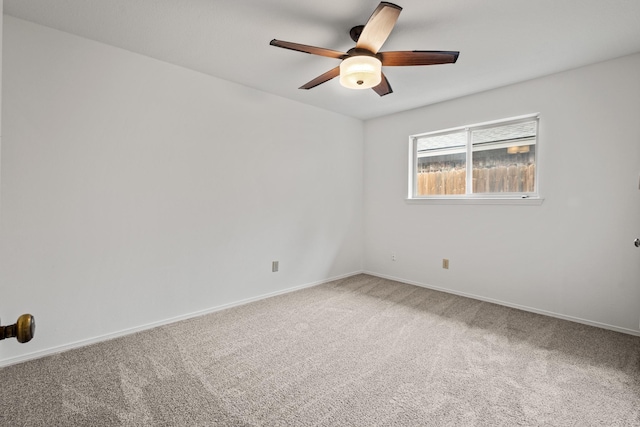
(360, 72)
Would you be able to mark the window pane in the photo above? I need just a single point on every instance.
(493, 160)
(504, 158)
(441, 164)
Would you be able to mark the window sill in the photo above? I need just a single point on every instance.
(528, 201)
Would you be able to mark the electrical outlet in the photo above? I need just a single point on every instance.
(274, 266)
(445, 263)
(393, 256)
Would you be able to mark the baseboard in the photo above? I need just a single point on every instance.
(511, 305)
(59, 349)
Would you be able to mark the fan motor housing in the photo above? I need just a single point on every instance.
(361, 52)
(355, 32)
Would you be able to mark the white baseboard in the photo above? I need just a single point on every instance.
(106, 337)
(59, 349)
(511, 305)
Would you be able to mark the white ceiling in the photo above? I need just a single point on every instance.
(500, 41)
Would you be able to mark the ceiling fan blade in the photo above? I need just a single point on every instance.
(418, 57)
(334, 72)
(379, 26)
(383, 88)
(308, 49)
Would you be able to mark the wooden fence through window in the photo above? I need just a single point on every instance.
(497, 179)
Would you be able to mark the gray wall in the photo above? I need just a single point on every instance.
(134, 191)
(573, 256)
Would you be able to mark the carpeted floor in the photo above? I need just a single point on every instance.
(361, 351)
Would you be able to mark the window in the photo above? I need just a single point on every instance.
(495, 160)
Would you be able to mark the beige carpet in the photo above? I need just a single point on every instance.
(362, 351)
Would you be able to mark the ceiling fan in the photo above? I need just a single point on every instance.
(361, 66)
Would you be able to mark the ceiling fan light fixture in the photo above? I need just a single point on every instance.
(361, 66)
(360, 72)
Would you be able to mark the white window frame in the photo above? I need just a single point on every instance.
(533, 198)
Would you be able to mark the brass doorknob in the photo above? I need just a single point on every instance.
(23, 330)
